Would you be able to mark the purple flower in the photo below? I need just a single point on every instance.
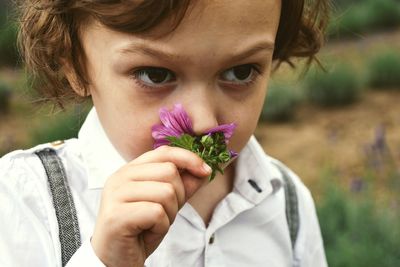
(233, 154)
(176, 130)
(174, 123)
(177, 122)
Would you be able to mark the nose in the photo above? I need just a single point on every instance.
(203, 110)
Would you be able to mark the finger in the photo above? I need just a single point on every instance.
(182, 158)
(165, 172)
(137, 217)
(157, 192)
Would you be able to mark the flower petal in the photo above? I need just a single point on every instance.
(227, 129)
(176, 119)
(233, 154)
(183, 118)
(160, 132)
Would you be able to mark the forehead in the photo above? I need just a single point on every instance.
(232, 15)
(209, 26)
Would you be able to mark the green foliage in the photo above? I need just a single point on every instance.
(384, 70)
(280, 103)
(8, 44)
(341, 4)
(360, 17)
(337, 87)
(383, 14)
(5, 98)
(351, 22)
(357, 232)
(59, 126)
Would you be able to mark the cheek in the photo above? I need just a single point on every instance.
(242, 134)
(246, 119)
(134, 133)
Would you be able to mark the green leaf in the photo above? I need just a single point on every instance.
(206, 140)
(211, 148)
(184, 141)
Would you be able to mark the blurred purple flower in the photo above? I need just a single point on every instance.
(378, 152)
(177, 122)
(379, 144)
(357, 185)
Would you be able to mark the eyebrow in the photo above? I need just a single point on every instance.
(167, 56)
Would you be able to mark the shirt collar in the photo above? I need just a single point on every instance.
(256, 177)
(100, 156)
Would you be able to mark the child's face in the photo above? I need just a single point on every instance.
(209, 64)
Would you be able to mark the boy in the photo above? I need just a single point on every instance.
(132, 205)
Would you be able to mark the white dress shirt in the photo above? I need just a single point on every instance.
(248, 228)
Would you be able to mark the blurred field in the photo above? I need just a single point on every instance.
(336, 137)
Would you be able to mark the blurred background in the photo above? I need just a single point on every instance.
(339, 130)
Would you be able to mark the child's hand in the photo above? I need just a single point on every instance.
(140, 201)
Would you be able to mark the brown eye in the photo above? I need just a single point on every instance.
(242, 72)
(239, 74)
(154, 76)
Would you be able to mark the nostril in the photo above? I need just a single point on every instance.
(203, 113)
(204, 126)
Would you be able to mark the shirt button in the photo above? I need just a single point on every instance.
(57, 143)
(211, 240)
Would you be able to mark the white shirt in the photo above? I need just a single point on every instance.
(247, 228)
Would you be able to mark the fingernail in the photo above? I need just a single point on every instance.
(206, 168)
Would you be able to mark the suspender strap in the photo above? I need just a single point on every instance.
(292, 206)
(69, 234)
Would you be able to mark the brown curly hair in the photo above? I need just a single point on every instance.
(49, 34)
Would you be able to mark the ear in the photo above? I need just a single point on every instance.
(73, 80)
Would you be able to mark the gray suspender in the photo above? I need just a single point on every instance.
(291, 204)
(69, 234)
